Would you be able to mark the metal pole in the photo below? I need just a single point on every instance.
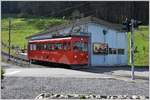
(132, 49)
(9, 39)
(104, 33)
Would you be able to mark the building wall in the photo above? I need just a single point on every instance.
(114, 39)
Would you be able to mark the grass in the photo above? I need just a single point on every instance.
(141, 38)
(20, 30)
(23, 27)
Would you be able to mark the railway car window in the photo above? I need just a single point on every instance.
(40, 46)
(37, 46)
(34, 47)
(85, 46)
(66, 46)
(58, 46)
(30, 46)
(76, 46)
(49, 46)
(81, 46)
(45, 46)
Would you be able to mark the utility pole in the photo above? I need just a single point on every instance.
(129, 26)
(9, 38)
(132, 48)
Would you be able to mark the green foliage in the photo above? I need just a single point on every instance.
(24, 27)
(141, 46)
(45, 23)
(2, 73)
(40, 24)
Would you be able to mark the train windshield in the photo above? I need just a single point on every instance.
(80, 46)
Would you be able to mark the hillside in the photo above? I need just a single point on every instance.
(112, 11)
(22, 27)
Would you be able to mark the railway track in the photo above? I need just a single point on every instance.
(21, 61)
(15, 60)
(14, 57)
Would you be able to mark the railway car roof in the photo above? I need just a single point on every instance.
(52, 39)
(59, 38)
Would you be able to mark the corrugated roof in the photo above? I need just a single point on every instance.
(80, 22)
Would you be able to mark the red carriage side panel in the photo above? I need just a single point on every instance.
(59, 50)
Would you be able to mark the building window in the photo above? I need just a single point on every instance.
(121, 51)
(112, 51)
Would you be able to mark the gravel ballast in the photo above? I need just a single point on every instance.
(30, 87)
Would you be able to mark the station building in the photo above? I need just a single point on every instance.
(107, 41)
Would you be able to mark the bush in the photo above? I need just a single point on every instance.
(2, 73)
(54, 22)
(40, 24)
(45, 23)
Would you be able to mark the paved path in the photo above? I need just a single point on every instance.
(27, 83)
(122, 73)
(60, 72)
(51, 72)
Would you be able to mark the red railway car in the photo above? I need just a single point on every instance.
(70, 50)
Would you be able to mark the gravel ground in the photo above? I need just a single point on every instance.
(30, 87)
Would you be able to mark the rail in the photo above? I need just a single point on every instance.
(14, 59)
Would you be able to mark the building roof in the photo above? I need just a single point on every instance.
(80, 22)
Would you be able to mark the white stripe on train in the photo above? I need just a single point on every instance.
(50, 39)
